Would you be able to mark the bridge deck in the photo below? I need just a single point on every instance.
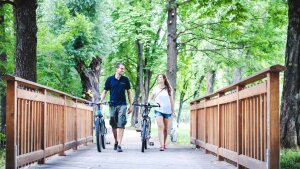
(175, 157)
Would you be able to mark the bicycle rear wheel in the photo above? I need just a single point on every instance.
(98, 137)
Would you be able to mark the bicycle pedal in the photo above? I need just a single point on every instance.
(151, 143)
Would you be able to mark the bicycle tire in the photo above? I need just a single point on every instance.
(103, 140)
(144, 136)
(103, 133)
(98, 138)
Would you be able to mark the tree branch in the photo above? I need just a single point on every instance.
(183, 3)
(7, 2)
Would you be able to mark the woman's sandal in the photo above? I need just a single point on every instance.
(161, 149)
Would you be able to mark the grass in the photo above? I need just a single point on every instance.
(290, 159)
(2, 158)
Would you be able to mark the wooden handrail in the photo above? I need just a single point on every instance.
(42, 121)
(39, 86)
(253, 78)
(241, 122)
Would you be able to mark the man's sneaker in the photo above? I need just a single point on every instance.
(119, 149)
(116, 146)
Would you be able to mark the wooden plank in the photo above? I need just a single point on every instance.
(11, 122)
(210, 103)
(228, 98)
(84, 107)
(70, 103)
(201, 143)
(53, 150)
(30, 157)
(70, 145)
(55, 100)
(273, 147)
(89, 138)
(251, 162)
(231, 155)
(211, 148)
(81, 141)
(250, 79)
(253, 91)
(28, 95)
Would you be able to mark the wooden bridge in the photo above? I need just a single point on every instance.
(239, 123)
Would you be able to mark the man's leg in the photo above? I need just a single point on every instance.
(114, 130)
(120, 135)
(113, 124)
(121, 125)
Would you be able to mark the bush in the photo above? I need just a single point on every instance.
(290, 159)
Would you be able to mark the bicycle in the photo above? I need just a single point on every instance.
(100, 127)
(145, 124)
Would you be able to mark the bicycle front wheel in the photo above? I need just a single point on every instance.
(98, 138)
(103, 133)
(144, 132)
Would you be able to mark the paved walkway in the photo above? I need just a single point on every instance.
(175, 157)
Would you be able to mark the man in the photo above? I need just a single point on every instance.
(117, 84)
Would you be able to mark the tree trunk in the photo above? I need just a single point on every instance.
(135, 112)
(90, 78)
(198, 86)
(290, 106)
(3, 111)
(172, 44)
(237, 74)
(181, 101)
(3, 61)
(26, 30)
(210, 81)
(141, 71)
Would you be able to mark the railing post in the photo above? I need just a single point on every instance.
(220, 158)
(75, 129)
(239, 125)
(273, 142)
(205, 125)
(11, 121)
(63, 128)
(44, 128)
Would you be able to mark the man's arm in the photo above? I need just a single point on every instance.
(130, 101)
(103, 95)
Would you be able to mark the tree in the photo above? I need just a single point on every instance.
(290, 108)
(26, 30)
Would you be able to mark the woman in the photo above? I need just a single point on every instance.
(162, 94)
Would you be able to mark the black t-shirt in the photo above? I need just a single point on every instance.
(117, 89)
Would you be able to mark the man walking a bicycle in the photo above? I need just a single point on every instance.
(117, 84)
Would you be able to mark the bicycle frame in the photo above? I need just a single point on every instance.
(145, 124)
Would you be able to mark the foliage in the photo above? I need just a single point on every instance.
(290, 159)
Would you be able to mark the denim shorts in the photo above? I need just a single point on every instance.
(118, 116)
(164, 115)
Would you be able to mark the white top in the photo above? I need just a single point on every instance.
(162, 97)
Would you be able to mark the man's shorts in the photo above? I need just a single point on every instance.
(118, 116)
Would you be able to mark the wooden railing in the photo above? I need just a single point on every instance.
(241, 122)
(42, 122)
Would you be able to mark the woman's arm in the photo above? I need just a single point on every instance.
(172, 104)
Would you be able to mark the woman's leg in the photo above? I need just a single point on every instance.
(160, 128)
(166, 128)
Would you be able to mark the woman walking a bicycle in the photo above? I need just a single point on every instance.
(163, 95)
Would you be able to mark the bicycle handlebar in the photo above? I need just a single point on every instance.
(146, 105)
(98, 103)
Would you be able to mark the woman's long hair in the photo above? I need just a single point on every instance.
(167, 84)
